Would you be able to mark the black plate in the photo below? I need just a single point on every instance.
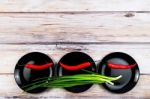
(129, 76)
(75, 58)
(25, 76)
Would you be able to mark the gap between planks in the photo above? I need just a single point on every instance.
(77, 43)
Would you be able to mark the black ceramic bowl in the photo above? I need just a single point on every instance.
(75, 58)
(25, 76)
(130, 76)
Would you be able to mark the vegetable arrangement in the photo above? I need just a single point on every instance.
(73, 80)
(70, 81)
(77, 67)
(76, 72)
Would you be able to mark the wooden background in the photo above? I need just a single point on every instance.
(56, 27)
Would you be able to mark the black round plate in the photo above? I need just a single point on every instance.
(129, 76)
(25, 76)
(75, 58)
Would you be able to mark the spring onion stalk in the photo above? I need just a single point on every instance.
(70, 81)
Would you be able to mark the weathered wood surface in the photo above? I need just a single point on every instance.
(50, 28)
(56, 27)
(73, 5)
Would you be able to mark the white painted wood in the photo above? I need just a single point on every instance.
(96, 27)
(10, 54)
(56, 27)
(73, 5)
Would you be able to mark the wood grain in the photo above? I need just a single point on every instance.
(56, 34)
(73, 5)
(49, 28)
(57, 27)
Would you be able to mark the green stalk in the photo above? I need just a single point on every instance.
(73, 80)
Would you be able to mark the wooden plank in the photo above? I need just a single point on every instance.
(40, 28)
(10, 54)
(9, 89)
(73, 5)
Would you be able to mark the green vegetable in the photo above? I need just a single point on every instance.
(70, 81)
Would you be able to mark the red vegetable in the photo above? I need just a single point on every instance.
(120, 66)
(38, 67)
(75, 67)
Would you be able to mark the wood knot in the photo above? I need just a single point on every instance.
(129, 15)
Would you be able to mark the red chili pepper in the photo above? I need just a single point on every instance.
(120, 66)
(75, 67)
(38, 67)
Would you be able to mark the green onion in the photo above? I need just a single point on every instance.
(70, 81)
